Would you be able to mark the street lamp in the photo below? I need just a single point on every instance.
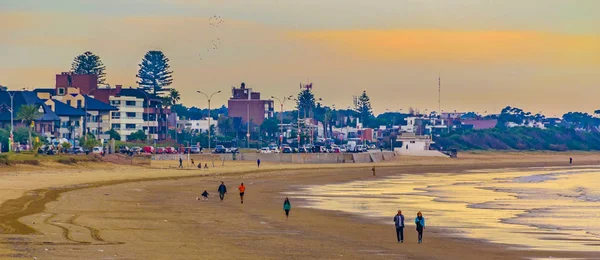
(12, 95)
(209, 116)
(297, 121)
(281, 119)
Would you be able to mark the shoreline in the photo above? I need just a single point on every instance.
(307, 176)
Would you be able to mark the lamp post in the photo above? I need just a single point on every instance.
(298, 121)
(147, 113)
(209, 116)
(10, 144)
(281, 119)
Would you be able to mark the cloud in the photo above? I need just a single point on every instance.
(461, 46)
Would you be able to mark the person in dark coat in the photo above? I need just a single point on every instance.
(180, 163)
(399, 224)
(287, 206)
(258, 163)
(420, 222)
(222, 190)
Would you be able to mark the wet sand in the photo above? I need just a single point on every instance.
(122, 217)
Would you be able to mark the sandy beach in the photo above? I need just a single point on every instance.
(107, 211)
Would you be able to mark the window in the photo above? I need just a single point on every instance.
(78, 103)
(115, 115)
(130, 126)
(131, 114)
(130, 103)
(116, 126)
(61, 91)
(115, 102)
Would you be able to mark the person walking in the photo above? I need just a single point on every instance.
(180, 163)
(242, 189)
(258, 163)
(420, 222)
(193, 163)
(205, 195)
(287, 206)
(571, 160)
(373, 169)
(222, 190)
(399, 223)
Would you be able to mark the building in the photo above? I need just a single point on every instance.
(129, 117)
(247, 105)
(47, 124)
(479, 124)
(71, 119)
(196, 125)
(99, 119)
(416, 145)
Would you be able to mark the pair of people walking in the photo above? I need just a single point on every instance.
(399, 224)
(223, 190)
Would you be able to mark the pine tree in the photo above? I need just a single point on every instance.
(89, 63)
(363, 107)
(154, 74)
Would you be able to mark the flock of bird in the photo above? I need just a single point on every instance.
(214, 21)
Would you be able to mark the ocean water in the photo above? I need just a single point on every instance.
(536, 209)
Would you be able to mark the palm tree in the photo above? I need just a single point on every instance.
(170, 101)
(28, 114)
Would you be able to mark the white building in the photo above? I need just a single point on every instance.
(416, 145)
(129, 117)
(196, 125)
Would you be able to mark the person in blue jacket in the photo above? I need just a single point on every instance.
(399, 223)
(420, 222)
(222, 190)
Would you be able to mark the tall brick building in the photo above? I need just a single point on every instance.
(244, 102)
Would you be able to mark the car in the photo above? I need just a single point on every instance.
(170, 150)
(336, 150)
(76, 150)
(234, 150)
(287, 150)
(161, 150)
(303, 150)
(135, 150)
(98, 150)
(124, 149)
(274, 149)
(148, 149)
(192, 149)
(220, 149)
(265, 150)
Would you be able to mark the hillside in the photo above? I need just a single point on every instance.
(521, 138)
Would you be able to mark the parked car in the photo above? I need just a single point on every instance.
(336, 150)
(148, 149)
(124, 149)
(98, 150)
(234, 150)
(192, 149)
(161, 150)
(265, 150)
(274, 149)
(76, 150)
(287, 150)
(220, 149)
(303, 150)
(170, 150)
(135, 150)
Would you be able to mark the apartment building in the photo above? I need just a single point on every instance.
(128, 118)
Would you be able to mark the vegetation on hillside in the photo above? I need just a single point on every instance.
(521, 138)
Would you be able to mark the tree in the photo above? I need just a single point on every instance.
(114, 134)
(270, 126)
(154, 74)
(306, 101)
(362, 105)
(89, 63)
(28, 114)
(137, 136)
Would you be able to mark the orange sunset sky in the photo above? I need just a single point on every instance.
(537, 55)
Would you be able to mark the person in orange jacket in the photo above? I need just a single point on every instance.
(242, 189)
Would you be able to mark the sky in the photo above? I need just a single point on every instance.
(537, 55)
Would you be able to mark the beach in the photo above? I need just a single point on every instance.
(106, 211)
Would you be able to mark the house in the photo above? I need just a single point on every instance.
(47, 124)
(416, 145)
(195, 125)
(71, 119)
(480, 124)
(98, 117)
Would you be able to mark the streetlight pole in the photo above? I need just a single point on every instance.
(12, 95)
(281, 119)
(209, 116)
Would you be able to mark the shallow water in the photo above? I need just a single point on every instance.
(545, 209)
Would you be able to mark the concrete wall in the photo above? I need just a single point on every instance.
(286, 157)
(428, 153)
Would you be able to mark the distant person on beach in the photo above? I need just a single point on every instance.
(222, 190)
(205, 195)
(206, 166)
(287, 206)
(258, 163)
(193, 163)
(420, 222)
(180, 163)
(399, 223)
(571, 160)
(199, 165)
(373, 169)
(242, 189)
